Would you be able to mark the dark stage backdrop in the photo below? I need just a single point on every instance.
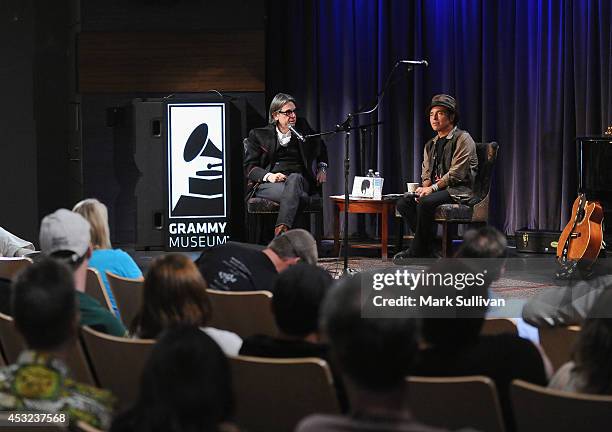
(531, 75)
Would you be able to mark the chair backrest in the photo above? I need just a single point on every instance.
(117, 363)
(12, 344)
(456, 402)
(94, 287)
(487, 155)
(495, 326)
(538, 408)
(128, 296)
(245, 313)
(558, 343)
(275, 394)
(10, 267)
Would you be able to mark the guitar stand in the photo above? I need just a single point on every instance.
(575, 270)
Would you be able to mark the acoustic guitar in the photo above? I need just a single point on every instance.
(582, 238)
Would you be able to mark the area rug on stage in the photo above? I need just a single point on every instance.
(511, 286)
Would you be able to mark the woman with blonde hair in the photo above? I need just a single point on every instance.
(104, 257)
(174, 294)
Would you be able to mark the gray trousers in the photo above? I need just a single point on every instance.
(290, 194)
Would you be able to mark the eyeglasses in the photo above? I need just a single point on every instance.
(288, 113)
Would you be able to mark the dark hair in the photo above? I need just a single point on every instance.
(488, 245)
(376, 353)
(69, 258)
(174, 293)
(485, 242)
(185, 386)
(593, 349)
(44, 304)
(298, 294)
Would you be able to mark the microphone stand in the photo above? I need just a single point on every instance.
(346, 127)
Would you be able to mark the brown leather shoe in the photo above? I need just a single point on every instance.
(280, 229)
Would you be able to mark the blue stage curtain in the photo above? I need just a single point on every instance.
(529, 74)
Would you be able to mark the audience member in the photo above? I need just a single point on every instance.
(375, 356)
(455, 347)
(590, 371)
(564, 306)
(238, 267)
(175, 294)
(298, 294)
(185, 386)
(45, 311)
(13, 246)
(65, 236)
(104, 258)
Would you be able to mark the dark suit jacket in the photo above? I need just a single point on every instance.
(260, 153)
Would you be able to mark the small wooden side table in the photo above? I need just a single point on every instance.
(384, 207)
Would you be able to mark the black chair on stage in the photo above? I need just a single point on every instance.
(260, 209)
(476, 212)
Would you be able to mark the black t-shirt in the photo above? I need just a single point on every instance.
(501, 357)
(237, 267)
(266, 346)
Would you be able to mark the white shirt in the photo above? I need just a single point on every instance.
(283, 138)
(230, 343)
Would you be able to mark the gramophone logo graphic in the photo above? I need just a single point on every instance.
(198, 172)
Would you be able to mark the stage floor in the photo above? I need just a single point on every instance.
(525, 275)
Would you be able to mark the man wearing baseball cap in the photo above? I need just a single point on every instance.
(64, 235)
(448, 172)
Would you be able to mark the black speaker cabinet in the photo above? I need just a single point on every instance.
(140, 148)
(536, 241)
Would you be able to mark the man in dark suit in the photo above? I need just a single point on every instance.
(279, 166)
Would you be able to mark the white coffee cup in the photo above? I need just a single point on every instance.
(412, 187)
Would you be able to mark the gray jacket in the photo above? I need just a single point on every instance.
(459, 164)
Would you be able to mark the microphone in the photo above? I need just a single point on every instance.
(296, 133)
(415, 62)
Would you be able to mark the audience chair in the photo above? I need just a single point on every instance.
(538, 408)
(10, 267)
(495, 326)
(558, 343)
(275, 394)
(94, 287)
(245, 313)
(128, 296)
(456, 402)
(12, 345)
(117, 363)
(476, 212)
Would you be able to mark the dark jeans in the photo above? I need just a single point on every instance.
(290, 194)
(420, 218)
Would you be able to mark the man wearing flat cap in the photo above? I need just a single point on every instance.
(448, 172)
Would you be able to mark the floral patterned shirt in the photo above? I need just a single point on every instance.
(40, 382)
